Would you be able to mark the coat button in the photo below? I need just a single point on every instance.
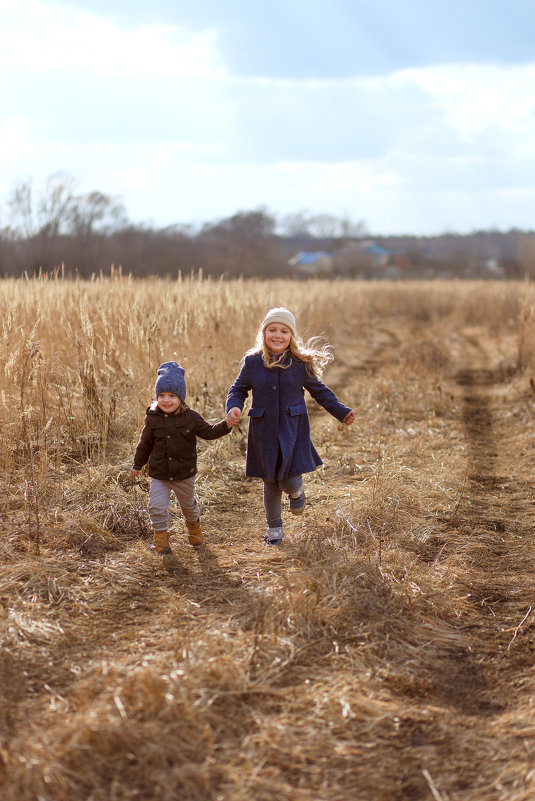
(170, 458)
(274, 387)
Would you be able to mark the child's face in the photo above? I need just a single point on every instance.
(277, 337)
(168, 402)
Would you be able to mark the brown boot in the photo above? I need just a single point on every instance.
(194, 532)
(161, 542)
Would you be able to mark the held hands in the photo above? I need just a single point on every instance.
(233, 416)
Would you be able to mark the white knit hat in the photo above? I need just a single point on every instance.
(280, 315)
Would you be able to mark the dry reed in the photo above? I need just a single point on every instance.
(361, 660)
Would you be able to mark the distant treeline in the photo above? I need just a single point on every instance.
(84, 235)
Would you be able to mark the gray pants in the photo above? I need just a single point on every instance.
(160, 495)
(273, 497)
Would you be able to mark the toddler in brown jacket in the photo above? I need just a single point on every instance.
(168, 443)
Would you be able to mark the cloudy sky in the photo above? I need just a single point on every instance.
(414, 117)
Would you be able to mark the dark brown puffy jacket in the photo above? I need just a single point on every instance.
(168, 442)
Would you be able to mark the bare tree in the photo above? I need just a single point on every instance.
(244, 244)
(41, 220)
(322, 226)
(96, 213)
(56, 226)
(21, 209)
(54, 205)
(296, 225)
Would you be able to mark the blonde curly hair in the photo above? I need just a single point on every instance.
(315, 353)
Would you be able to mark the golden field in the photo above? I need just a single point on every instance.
(383, 653)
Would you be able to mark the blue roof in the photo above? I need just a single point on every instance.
(310, 257)
(377, 250)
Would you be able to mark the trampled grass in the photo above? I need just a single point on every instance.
(383, 653)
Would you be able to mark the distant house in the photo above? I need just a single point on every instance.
(312, 263)
(367, 259)
(379, 254)
(360, 259)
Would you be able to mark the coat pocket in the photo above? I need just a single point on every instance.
(255, 411)
(297, 408)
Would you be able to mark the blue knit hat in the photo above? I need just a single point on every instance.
(171, 379)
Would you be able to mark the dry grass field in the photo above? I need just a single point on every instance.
(383, 653)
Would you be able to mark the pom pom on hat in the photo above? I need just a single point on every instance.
(280, 315)
(171, 379)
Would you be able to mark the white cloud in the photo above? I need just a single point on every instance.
(449, 110)
(475, 98)
(46, 37)
(14, 133)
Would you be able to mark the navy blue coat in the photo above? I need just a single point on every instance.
(278, 416)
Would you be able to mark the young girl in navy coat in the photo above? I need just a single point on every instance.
(279, 450)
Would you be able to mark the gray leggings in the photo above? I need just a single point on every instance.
(160, 495)
(273, 497)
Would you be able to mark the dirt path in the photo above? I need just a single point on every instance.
(480, 698)
(497, 508)
(486, 682)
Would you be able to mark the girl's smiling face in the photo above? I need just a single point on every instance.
(168, 402)
(277, 337)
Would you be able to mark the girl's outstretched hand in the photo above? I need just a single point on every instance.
(233, 416)
(349, 418)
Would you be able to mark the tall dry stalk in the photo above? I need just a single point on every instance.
(23, 368)
(526, 331)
